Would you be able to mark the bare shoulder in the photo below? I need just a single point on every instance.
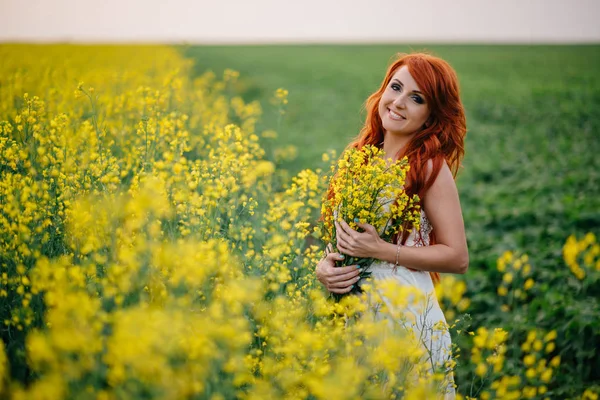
(444, 178)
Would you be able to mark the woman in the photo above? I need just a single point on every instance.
(417, 112)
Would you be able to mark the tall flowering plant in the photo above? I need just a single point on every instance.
(365, 187)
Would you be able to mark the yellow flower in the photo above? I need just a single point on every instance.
(589, 394)
(481, 338)
(528, 284)
(281, 95)
(550, 336)
(530, 373)
(517, 265)
(546, 376)
(529, 392)
(481, 369)
(500, 336)
(529, 360)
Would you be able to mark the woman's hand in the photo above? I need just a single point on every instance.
(358, 244)
(336, 279)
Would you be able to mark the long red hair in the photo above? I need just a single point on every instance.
(442, 139)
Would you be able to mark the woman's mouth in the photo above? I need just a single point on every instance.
(395, 116)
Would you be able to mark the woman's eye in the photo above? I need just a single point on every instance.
(395, 86)
(418, 99)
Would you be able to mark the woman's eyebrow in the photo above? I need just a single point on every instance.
(402, 84)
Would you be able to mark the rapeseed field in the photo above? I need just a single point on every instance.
(153, 245)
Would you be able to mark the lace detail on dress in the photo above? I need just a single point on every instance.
(424, 231)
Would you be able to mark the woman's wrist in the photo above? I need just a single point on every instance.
(386, 251)
(397, 261)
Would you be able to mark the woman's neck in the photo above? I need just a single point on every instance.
(392, 144)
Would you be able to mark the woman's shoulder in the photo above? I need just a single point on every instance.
(444, 169)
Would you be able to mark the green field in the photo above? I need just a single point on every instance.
(531, 174)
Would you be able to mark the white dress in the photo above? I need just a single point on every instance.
(424, 315)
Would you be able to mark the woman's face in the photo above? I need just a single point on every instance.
(402, 107)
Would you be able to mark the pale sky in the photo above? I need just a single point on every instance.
(275, 21)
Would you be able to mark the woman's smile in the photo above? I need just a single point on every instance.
(395, 116)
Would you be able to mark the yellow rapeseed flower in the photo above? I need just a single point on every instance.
(529, 360)
(481, 369)
(528, 284)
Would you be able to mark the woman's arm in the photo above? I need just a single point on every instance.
(449, 254)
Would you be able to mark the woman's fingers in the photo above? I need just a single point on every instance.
(329, 263)
(341, 276)
(344, 227)
(328, 249)
(369, 228)
(346, 239)
(341, 237)
(341, 291)
(341, 232)
(346, 269)
(349, 234)
(344, 284)
(345, 248)
(334, 256)
(337, 279)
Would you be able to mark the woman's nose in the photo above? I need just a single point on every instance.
(399, 101)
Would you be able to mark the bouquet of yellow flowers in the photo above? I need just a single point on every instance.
(367, 188)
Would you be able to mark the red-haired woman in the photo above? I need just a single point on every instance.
(417, 112)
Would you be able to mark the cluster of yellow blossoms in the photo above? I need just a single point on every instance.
(489, 352)
(516, 279)
(582, 256)
(367, 187)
